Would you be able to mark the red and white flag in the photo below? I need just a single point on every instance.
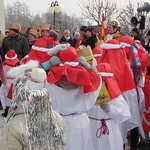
(103, 31)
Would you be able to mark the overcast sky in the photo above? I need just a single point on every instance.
(40, 6)
(70, 6)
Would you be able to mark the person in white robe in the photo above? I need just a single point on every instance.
(109, 112)
(73, 86)
(9, 62)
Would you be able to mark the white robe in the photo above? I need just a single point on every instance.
(135, 110)
(4, 89)
(112, 139)
(72, 105)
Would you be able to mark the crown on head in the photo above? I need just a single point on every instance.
(15, 26)
(45, 26)
(35, 32)
(85, 52)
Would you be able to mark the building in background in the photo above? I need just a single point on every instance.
(2, 17)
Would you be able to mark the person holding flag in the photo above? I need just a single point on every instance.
(113, 29)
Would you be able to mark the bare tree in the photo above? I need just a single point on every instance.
(66, 22)
(37, 20)
(125, 19)
(18, 12)
(93, 9)
(63, 22)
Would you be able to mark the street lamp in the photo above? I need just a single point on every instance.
(54, 8)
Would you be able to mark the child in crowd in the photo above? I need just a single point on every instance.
(109, 112)
(9, 62)
(110, 109)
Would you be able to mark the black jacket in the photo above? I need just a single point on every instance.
(90, 41)
(64, 40)
(147, 47)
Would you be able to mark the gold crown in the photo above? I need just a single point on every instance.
(85, 52)
(114, 23)
(15, 26)
(35, 31)
(38, 29)
(45, 26)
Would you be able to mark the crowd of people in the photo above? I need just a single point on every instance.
(75, 92)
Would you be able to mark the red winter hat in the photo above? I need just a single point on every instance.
(11, 58)
(108, 76)
(39, 50)
(73, 72)
(97, 53)
(68, 55)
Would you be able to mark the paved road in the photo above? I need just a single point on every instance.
(2, 121)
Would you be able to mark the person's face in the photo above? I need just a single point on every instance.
(45, 33)
(67, 34)
(90, 62)
(12, 33)
(77, 37)
(111, 29)
(133, 33)
(88, 34)
(31, 38)
(82, 33)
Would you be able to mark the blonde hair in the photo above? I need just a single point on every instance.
(66, 31)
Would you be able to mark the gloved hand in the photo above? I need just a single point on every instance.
(55, 60)
(105, 106)
(54, 51)
(82, 61)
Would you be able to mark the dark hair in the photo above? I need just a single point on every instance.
(89, 28)
(148, 33)
(53, 34)
(136, 30)
(83, 28)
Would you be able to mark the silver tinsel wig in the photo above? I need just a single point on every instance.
(43, 129)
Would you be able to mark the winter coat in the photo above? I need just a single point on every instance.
(65, 40)
(18, 43)
(14, 133)
(90, 41)
(147, 47)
